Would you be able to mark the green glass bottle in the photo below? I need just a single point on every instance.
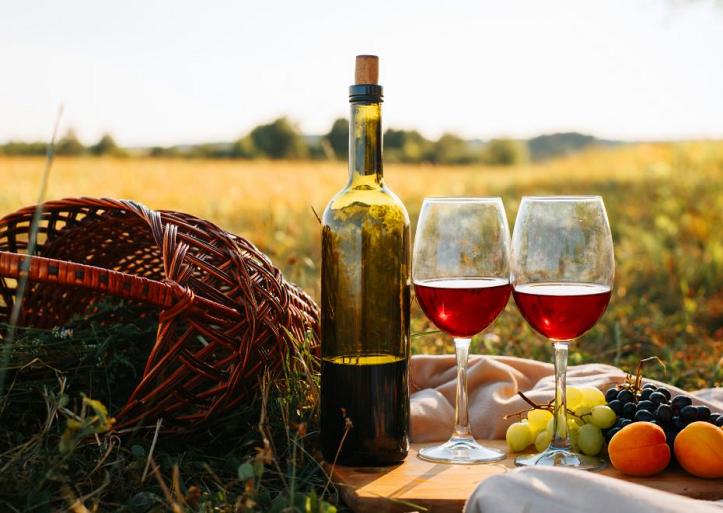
(365, 299)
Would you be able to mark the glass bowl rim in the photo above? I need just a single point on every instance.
(462, 199)
(578, 197)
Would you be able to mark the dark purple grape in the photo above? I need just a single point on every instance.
(611, 394)
(665, 392)
(647, 405)
(689, 414)
(622, 422)
(626, 396)
(719, 421)
(611, 433)
(629, 410)
(650, 385)
(658, 398)
(645, 394)
(670, 438)
(664, 414)
(713, 418)
(616, 406)
(681, 401)
(677, 423)
(643, 416)
(703, 413)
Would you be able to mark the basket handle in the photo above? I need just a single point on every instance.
(165, 294)
(48, 270)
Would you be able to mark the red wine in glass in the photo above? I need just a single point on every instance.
(561, 311)
(462, 307)
(461, 276)
(562, 269)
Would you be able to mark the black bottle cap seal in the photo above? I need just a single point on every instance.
(365, 93)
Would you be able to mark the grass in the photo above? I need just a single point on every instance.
(665, 203)
(56, 452)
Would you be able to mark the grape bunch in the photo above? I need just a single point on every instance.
(655, 404)
(588, 416)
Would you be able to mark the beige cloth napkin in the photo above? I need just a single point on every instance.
(493, 383)
(559, 490)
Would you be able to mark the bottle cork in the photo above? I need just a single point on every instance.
(367, 69)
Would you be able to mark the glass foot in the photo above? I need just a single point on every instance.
(561, 458)
(464, 451)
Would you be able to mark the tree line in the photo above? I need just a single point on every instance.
(69, 144)
(281, 139)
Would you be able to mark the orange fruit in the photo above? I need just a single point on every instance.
(639, 449)
(699, 449)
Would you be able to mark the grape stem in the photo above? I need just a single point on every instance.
(549, 407)
(634, 384)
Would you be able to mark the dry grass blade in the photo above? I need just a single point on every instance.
(175, 506)
(32, 241)
(150, 452)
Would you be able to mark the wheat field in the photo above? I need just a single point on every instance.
(665, 203)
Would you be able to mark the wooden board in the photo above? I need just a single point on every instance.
(445, 488)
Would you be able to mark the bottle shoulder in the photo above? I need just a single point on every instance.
(350, 203)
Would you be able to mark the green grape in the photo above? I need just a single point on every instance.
(602, 416)
(590, 439)
(550, 426)
(574, 436)
(573, 426)
(536, 431)
(543, 440)
(518, 436)
(583, 414)
(591, 396)
(574, 420)
(574, 397)
(538, 419)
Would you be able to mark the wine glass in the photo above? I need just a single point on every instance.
(461, 279)
(562, 273)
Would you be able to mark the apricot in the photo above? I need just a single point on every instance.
(699, 449)
(639, 449)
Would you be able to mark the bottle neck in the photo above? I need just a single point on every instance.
(365, 144)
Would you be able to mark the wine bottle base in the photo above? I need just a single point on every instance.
(461, 451)
(364, 410)
(367, 460)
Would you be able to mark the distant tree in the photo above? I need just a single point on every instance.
(505, 152)
(106, 146)
(203, 151)
(338, 138)
(451, 149)
(244, 148)
(279, 140)
(157, 151)
(24, 148)
(406, 146)
(555, 145)
(69, 144)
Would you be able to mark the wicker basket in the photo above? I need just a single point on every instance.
(225, 313)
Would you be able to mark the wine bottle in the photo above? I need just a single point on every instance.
(365, 290)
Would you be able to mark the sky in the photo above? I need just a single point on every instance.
(159, 72)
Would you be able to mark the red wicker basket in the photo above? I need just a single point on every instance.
(225, 312)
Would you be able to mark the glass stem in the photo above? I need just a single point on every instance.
(561, 438)
(461, 407)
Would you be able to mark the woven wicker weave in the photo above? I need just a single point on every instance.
(224, 311)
